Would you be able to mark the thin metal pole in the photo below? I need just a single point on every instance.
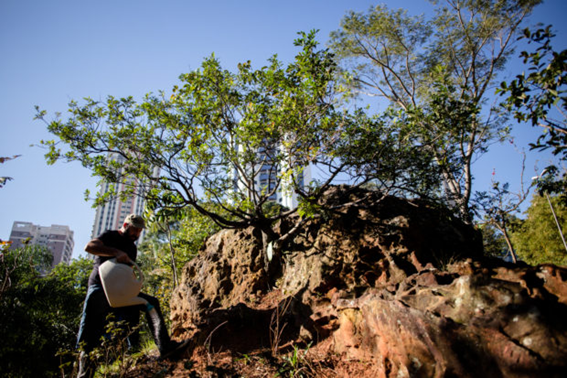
(556, 221)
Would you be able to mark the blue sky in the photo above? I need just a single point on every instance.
(55, 51)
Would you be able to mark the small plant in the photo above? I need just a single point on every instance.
(277, 326)
(295, 365)
(67, 357)
(208, 341)
(245, 359)
(445, 260)
(113, 355)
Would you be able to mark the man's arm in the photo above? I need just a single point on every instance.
(97, 247)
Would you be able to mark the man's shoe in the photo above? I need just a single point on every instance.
(175, 347)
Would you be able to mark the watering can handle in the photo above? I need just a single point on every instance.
(140, 273)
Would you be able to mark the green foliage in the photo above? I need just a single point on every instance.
(218, 130)
(157, 272)
(22, 265)
(540, 96)
(185, 230)
(226, 142)
(552, 180)
(497, 208)
(295, 364)
(438, 72)
(172, 241)
(383, 150)
(112, 355)
(537, 238)
(493, 241)
(73, 276)
(372, 46)
(39, 315)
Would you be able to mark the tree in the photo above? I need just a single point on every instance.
(493, 241)
(497, 209)
(220, 133)
(439, 72)
(537, 239)
(217, 132)
(539, 97)
(171, 242)
(39, 315)
(382, 153)
(22, 264)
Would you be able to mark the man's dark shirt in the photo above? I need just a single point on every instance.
(116, 240)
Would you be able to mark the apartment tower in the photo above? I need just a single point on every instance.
(265, 179)
(58, 239)
(110, 216)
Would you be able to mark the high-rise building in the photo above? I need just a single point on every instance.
(58, 239)
(265, 180)
(110, 216)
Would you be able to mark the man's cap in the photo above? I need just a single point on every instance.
(135, 221)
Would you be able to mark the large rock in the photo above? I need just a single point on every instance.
(467, 326)
(227, 272)
(401, 285)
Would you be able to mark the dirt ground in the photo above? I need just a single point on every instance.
(297, 363)
(290, 360)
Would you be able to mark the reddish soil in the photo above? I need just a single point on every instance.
(224, 364)
(218, 360)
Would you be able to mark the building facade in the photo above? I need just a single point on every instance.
(265, 178)
(58, 239)
(111, 215)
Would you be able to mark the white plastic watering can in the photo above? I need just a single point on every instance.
(120, 283)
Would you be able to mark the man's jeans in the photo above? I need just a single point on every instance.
(94, 319)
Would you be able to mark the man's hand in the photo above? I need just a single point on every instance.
(96, 247)
(123, 258)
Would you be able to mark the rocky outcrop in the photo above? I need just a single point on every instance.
(400, 285)
(468, 325)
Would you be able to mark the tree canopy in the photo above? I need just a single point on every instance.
(39, 314)
(213, 137)
(224, 143)
(439, 72)
(539, 98)
(537, 239)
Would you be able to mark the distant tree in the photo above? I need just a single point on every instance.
(39, 315)
(497, 208)
(73, 276)
(22, 264)
(493, 241)
(172, 241)
(439, 72)
(537, 239)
